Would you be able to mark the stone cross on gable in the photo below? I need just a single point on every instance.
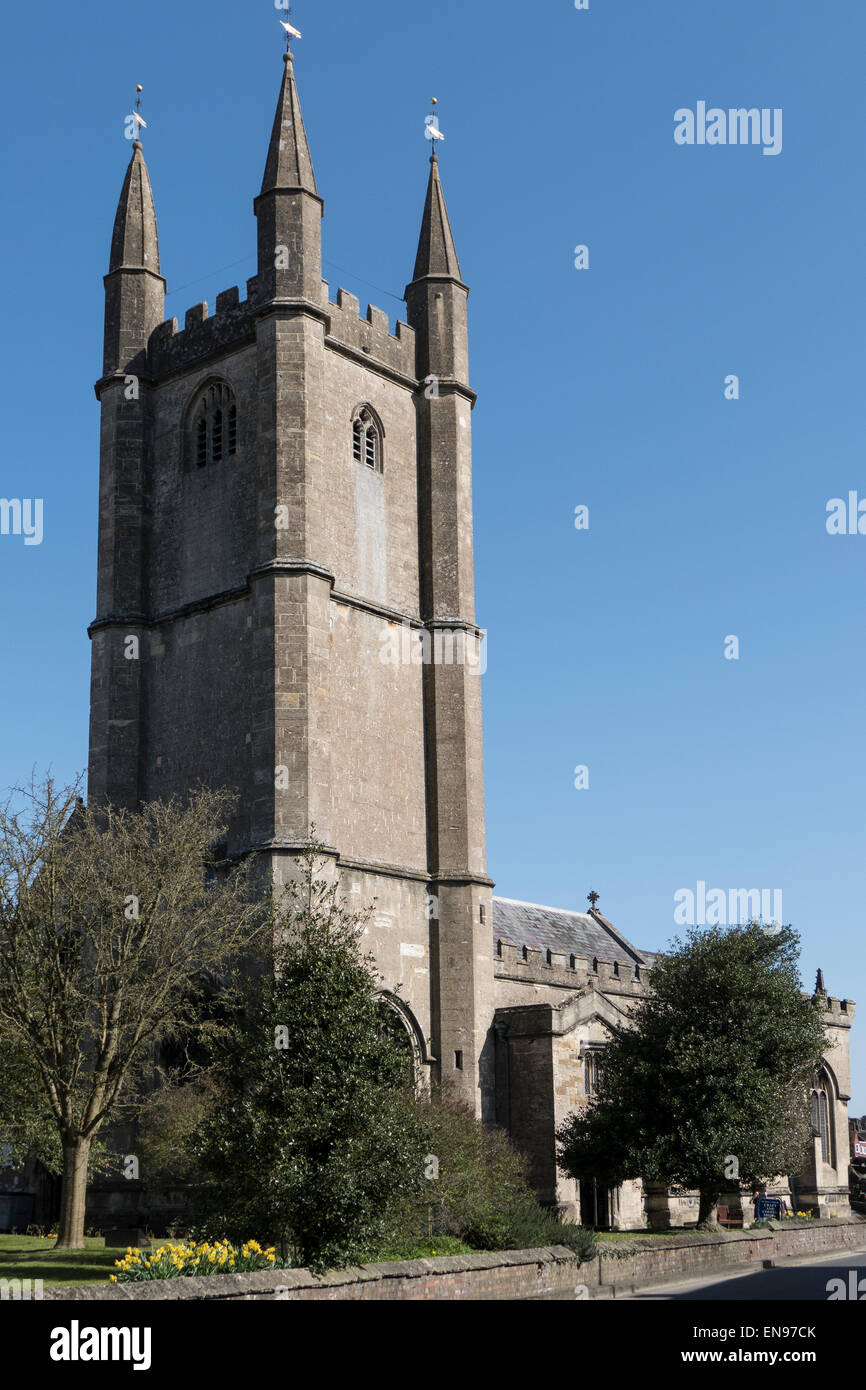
(592, 898)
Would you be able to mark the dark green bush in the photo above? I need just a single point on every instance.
(482, 1196)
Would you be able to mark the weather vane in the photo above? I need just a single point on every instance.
(139, 122)
(431, 124)
(291, 31)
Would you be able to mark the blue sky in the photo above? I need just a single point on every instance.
(602, 387)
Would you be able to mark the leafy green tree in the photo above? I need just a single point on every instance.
(27, 1128)
(707, 1085)
(167, 1120)
(315, 1134)
(477, 1191)
(476, 1182)
(114, 926)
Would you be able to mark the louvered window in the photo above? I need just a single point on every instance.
(215, 425)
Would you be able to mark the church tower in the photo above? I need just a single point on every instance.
(286, 593)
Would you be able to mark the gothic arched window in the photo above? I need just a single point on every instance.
(399, 1022)
(821, 1126)
(214, 425)
(824, 1126)
(367, 438)
(591, 1071)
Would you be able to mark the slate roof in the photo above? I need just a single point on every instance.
(554, 928)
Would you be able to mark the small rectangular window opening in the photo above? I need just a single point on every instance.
(458, 1060)
(201, 444)
(218, 436)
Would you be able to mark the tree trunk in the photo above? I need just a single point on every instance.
(708, 1212)
(73, 1191)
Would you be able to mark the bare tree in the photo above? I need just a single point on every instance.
(113, 925)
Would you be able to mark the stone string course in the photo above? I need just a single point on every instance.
(550, 1272)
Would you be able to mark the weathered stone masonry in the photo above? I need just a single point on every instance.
(252, 569)
(263, 585)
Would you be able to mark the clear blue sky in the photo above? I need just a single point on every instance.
(602, 387)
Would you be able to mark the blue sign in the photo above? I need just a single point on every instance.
(769, 1207)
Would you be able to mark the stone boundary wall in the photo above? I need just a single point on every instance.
(551, 1272)
(628, 1265)
(503, 1274)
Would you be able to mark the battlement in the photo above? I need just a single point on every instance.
(371, 335)
(543, 965)
(547, 966)
(202, 335)
(839, 1011)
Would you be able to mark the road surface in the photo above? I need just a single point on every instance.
(803, 1279)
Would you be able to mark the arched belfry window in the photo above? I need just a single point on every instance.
(367, 438)
(214, 425)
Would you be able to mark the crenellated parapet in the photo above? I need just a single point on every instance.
(839, 1013)
(545, 966)
(203, 334)
(370, 337)
(558, 968)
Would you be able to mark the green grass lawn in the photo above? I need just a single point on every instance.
(28, 1257)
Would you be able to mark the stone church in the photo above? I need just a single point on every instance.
(286, 530)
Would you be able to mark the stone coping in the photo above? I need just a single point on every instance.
(272, 1282)
(617, 1267)
(661, 1241)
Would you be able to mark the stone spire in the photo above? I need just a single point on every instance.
(135, 241)
(289, 165)
(819, 984)
(134, 287)
(437, 298)
(437, 254)
(288, 208)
